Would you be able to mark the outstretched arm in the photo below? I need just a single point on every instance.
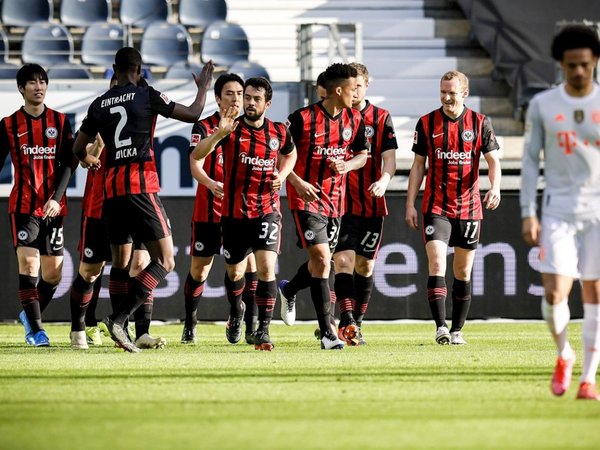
(192, 113)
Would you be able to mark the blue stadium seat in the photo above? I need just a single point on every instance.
(47, 44)
(22, 13)
(201, 13)
(8, 71)
(165, 44)
(100, 43)
(247, 69)
(225, 43)
(82, 13)
(69, 72)
(183, 70)
(141, 13)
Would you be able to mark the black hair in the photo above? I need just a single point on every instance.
(31, 72)
(575, 36)
(260, 83)
(224, 79)
(321, 79)
(127, 58)
(337, 73)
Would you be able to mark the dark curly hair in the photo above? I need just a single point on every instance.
(575, 36)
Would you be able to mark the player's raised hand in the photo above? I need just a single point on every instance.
(228, 122)
(204, 79)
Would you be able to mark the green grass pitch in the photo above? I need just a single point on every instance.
(401, 391)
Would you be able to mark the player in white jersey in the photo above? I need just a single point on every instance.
(565, 123)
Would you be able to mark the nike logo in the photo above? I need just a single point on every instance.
(22, 134)
(436, 135)
(270, 242)
(318, 135)
(244, 140)
(472, 242)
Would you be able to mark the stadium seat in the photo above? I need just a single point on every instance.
(8, 71)
(183, 70)
(22, 13)
(82, 13)
(247, 69)
(141, 13)
(165, 44)
(69, 71)
(201, 13)
(47, 44)
(225, 43)
(100, 43)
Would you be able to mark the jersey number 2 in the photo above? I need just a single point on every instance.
(122, 121)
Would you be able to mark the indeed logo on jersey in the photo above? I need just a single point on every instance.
(39, 152)
(335, 152)
(257, 162)
(453, 156)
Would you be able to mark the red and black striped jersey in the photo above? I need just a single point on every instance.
(380, 132)
(93, 195)
(453, 148)
(207, 207)
(321, 138)
(125, 117)
(250, 157)
(37, 146)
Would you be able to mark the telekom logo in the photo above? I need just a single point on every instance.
(567, 141)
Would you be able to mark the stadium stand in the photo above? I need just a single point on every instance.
(165, 44)
(69, 72)
(201, 13)
(225, 43)
(100, 43)
(22, 13)
(248, 69)
(47, 44)
(7, 70)
(141, 13)
(82, 13)
(182, 70)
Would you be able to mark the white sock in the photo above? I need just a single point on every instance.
(591, 342)
(557, 317)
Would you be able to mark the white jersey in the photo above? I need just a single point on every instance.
(567, 129)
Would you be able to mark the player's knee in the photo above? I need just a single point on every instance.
(168, 264)
(364, 267)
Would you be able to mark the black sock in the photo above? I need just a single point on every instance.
(28, 296)
(143, 317)
(81, 295)
(266, 292)
(363, 286)
(90, 312)
(461, 301)
(301, 280)
(234, 291)
(118, 287)
(344, 290)
(249, 299)
(45, 293)
(321, 298)
(192, 292)
(436, 296)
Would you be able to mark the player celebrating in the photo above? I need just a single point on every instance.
(565, 122)
(331, 141)
(206, 219)
(39, 141)
(362, 224)
(258, 155)
(452, 139)
(125, 117)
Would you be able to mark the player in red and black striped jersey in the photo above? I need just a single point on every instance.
(206, 219)
(331, 141)
(125, 117)
(452, 139)
(361, 230)
(39, 141)
(258, 155)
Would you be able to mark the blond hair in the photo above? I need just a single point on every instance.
(462, 78)
(361, 69)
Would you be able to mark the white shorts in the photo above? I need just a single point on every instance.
(570, 248)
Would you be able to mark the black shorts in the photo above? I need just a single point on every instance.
(206, 239)
(360, 234)
(139, 217)
(454, 232)
(93, 246)
(243, 236)
(46, 235)
(313, 229)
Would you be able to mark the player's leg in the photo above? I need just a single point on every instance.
(344, 291)
(266, 293)
(82, 291)
(461, 292)
(363, 287)
(192, 291)
(234, 287)
(51, 250)
(249, 298)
